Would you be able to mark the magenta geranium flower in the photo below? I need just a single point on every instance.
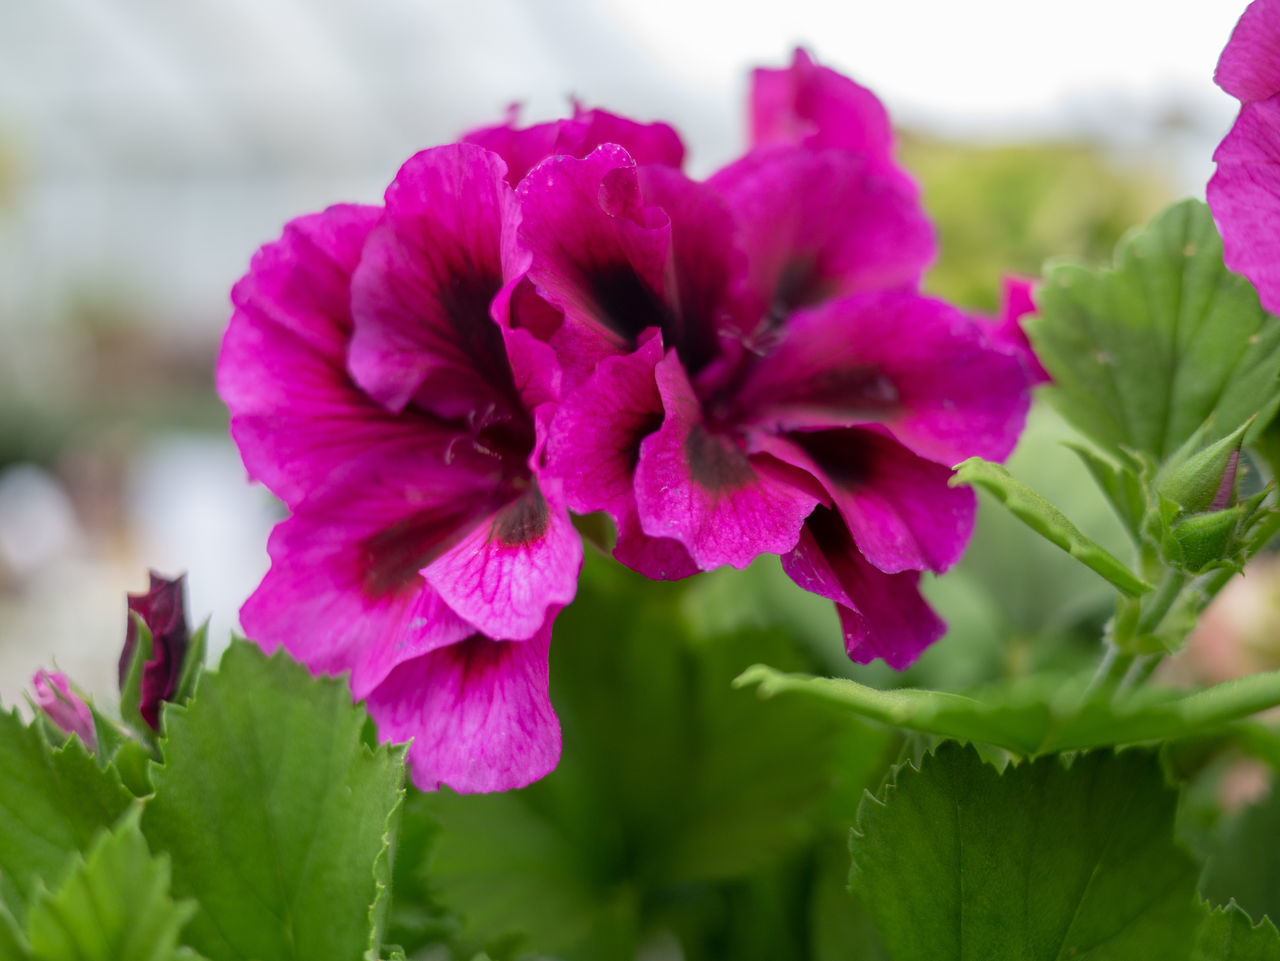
(374, 393)
(1244, 193)
(786, 392)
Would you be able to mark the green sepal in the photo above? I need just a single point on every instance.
(192, 665)
(1201, 542)
(1039, 716)
(131, 687)
(1047, 521)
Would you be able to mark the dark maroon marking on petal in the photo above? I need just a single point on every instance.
(466, 297)
(522, 521)
(394, 556)
(840, 455)
(627, 306)
(799, 285)
(862, 390)
(715, 462)
(645, 427)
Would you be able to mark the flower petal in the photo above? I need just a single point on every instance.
(1006, 330)
(698, 486)
(510, 569)
(594, 444)
(421, 294)
(597, 253)
(1244, 195)
(295, 411)
(916, 365)
(1249, 68)
(898, 506)
(477, 712)
(817, 107)
(882, 615)
(344, 593)
(820, 224)
(524, 148)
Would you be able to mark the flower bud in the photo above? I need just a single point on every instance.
(163, 610)
(1204, 480)
(63, 706)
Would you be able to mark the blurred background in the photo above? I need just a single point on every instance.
(148, 148)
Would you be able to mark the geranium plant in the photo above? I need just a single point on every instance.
(524, 680)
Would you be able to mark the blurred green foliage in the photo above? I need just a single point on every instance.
(1006, 208)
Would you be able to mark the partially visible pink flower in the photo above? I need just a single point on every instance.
(1006, 329)
(372, 389)
(1244, 193)
(163, 610)
(64, 706)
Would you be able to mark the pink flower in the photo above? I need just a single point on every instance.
(163, 609)
(372, 390)
(1006, 329)
(786, 392)
(64, 706)
(1244, 193)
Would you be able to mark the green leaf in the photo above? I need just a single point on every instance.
(1244, 863)
(1144, 353)
(1229, 934)
(1039, 715)
(114, 906)
(1044, 861)
(52, 803)
(14, 945)
(1047, 521)
(277, 815)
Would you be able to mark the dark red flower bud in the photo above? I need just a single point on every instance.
(163, 610)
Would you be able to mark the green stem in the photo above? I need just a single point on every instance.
(1167, 592)
(1232, 699)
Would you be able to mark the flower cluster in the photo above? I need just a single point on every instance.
(557, 319)
(1244, 193)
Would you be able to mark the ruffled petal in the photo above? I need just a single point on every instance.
(344, 594)
(816, 225)
(510, 569)
(422, 292)
(697, 485)
(1244, 195)
(593, 447)
(477, 713)
(1249, 68)
(597, 253)
(295, 411)
(898, 506)
(817, 107)
(523, 148)
(916, 365)
(882, 615)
